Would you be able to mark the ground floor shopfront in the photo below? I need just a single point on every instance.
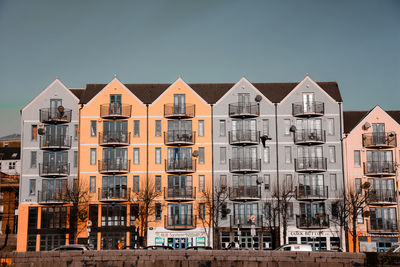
(321, 239)
(179, 239)
(367, 242)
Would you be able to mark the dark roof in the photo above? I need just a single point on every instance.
(352, 118)
(77, 92)
(395, 114)
(211, 92)
(9, 153)
(11, 137)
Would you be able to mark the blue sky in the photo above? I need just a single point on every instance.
(355, 43)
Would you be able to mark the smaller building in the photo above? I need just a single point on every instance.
(12, 140)
(10, 162)
(9, 185)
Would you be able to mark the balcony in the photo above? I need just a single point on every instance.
(180, 165)
(179, 111)
(309, 137)
(179, 138)
(312, 222)
(244, 110)
(244, 137)
(307, 192)
(382, 196)
(379, 168)
(379, 225)
(55, 115)
(244, 221)
(115, 111)
(308, 110)
(54, 169)
(186, 193)
(113, 166)
(113, 194)
(379, 140)
(244, 193)
(247, 165)
(114, 138)
(310, 164)
(180, 222)
(52, 197)
(51, 142)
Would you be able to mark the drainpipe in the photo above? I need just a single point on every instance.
(147, 167)
(277, 167)
(212, 170)
(343, 170)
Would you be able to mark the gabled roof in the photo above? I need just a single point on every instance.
(352, 118)
(11, 137)
(77, 92)
(10, 153)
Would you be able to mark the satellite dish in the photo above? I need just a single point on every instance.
(259, 180)
(366, 126)
(41, 131)
(60, 109)
(195, 153)
(366, 213)
(292, 128)
(228, 211)
(258, 98)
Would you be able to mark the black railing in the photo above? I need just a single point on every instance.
(53, 197)
(114, 138)
(180, 111)
(113, 194)
(310, 109)
(180, 165)
(312, 222)
(245, 165)
(310, 136)
(382, 225)
(246, 220)
(379, 139)
(382, 195)
(180, 221)
(114, 165)
(310, 164)
(181, 193)
(55, 115)
(238, 137)
(54, 142)
(379, 168)
(244, 192)
(311, 192)
(115, 110)
(179, 137)
(55, 169)
(248, 109)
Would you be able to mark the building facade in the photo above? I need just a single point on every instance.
(371, 154)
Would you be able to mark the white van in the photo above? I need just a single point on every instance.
(295, 247)
(395, 248)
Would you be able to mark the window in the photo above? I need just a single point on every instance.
(136, 155)
(92, 156)
(333, 181)
(222, 180)
(331, 127)
(158, 155)
(357, 158)
(202, 211)
(286, 122)
(34, 132)
(222, 128)
(92, 185)
(135, 187)
(157, 183)
(360, 216)
(201, 128)
(134, 213)
(11, 165)
(32, 187)
(266, 182)
(288, 154)
(158, 128)
(32, 217)
(54, 217)
(93, 128)
(290, 210)
(201, 183)
(332, 154)
(33, 159)
(75, 159)
(76, 132)
(136, 128)
(113, 215)
(222, 155)
(201, 155)
(357, 183)
(224, 211)
(266, 127)
(335, 209)
(266, 154)
(158, 211)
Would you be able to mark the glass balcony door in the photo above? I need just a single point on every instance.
(179, 154)
(114, 186)
(179, 104)
(308, 124)
(311, 184)
(308, 155)
(310, 210)
(179, 185)
(55, 158)
(378, 133)
(115, 130)
(244, 130)
(53, 189)
(54, 104)
(244, 211)
(244, 181)
(379, 161)
(116, 157)
(179, 130)
(308, 102)
(180, 214)
(383, 218)
(56, 134)
(115, 104)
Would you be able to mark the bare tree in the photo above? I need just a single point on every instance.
(146, 197)
(271, 219)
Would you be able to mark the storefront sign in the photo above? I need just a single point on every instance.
(200, 240)
(184, 234)
(367, 246)
(159, 240)
(312, 233)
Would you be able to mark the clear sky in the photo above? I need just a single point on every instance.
(356, 43)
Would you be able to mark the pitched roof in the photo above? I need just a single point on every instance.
(10, 153)
(77, 92)
(352, 118)
(395, 114)
(11, 137)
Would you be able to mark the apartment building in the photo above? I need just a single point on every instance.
(49, 153)
(371, 155)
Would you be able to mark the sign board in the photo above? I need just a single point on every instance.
(253, 218)
(159, 240)
(367, 246)
(200, 240)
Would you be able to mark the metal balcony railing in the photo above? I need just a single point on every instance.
(311, 109)
(52, 197)
(115, 111)
(55, 115)
(381, 196)
(180, 165)
(307, 192)
(179, 137)
(309, 136)
(55, 142)
(244, 137)
(114, 166)
(310, 164)
(244, 165)
(179, 111)
(182, 193)
(53, 169)
(113, 194)
(379, 225)
(245, 220)
(114, 138)
(379, 168)
(248, 109)
(180, 221)
(380, 140)
(245, 192)
(312, 222)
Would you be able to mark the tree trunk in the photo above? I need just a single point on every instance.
(354, 222)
